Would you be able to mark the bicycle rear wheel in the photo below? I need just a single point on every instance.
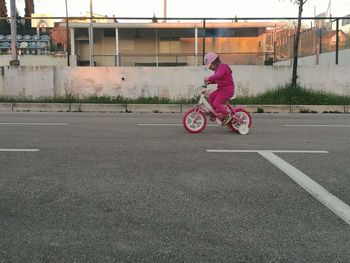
(241, 122)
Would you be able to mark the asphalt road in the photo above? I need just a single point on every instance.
(88, 187)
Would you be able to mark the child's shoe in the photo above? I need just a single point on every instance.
(226, 120)
(211, 116)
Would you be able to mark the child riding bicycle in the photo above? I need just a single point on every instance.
(225, 86)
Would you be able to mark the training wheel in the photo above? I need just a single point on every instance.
(243, 129)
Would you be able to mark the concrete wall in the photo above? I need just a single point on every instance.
(38, 60)
(2, 84)
(172, 82)
(28, 81)
(325, 59)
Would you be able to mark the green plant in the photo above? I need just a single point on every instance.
(289, 95)
(286, 95)
(260, 110)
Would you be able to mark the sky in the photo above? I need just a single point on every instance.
(187, 8)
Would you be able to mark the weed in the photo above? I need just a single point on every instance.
(289, 95)
(286, 95)
(260, 110)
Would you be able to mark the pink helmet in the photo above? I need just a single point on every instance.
(210, 58)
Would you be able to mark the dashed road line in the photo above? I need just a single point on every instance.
(167, 124)
(19, 150)
(315, 125)
(34, 123)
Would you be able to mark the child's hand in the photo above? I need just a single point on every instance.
(204, 85)
(206, 79)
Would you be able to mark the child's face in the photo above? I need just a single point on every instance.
(212, 66)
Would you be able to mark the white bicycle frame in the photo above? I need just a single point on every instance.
(204, 103)
(204, 107)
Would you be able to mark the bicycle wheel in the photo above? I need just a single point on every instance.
(194, 121)
(240, 118)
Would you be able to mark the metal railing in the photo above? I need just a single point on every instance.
(319, 35)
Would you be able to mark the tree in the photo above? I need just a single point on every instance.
(300, 3)
(20, 24)
(4, 25)
(28, 11)
(296, 42)
(59, 37)
(347, 41)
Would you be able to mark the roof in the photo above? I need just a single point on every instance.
(169, 25)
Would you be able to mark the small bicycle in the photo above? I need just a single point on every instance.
(194, 120)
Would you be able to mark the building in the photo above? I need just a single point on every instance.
(345, 24)
(169, 43)
(312, 41)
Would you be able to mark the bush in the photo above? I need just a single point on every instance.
(287, 95)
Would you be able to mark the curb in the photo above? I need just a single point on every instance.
(162, 108)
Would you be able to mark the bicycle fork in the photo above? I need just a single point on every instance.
(194, 120)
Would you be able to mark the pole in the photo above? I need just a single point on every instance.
(67, 36)
(164, 10)
(196, 46)
(117, 47)
(203, 42)
(317, 48)
(156, 38)
(14, 57)
(91, 37)
(337, 43)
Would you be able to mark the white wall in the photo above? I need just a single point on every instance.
(37, 60)
(324, 59)
(171, 82)
(335, 78)
(28, 81)
(2, 80)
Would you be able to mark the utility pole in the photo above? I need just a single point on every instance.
(203, 39)
(91, 38)
(67, 34)
(14, 57)
(164, 10)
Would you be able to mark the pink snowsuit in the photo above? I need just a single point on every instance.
(225, 87)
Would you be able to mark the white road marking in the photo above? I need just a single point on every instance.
(33, 123)
(337, 206)
(167, 124)
(19, 150)
(256, 151)
(159, 124)
(321, 194)
(315, 125)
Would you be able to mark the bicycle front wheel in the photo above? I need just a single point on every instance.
(194, 121)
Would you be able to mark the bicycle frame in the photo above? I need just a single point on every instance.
(240, 122)
(204, 105)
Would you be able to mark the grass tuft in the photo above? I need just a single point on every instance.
(286, 95)
(289, 95)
